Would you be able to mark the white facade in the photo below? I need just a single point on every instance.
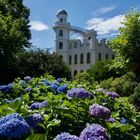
(78, 55)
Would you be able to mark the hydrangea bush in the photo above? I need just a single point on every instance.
(56, 109)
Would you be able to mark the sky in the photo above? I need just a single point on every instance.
(104, 16)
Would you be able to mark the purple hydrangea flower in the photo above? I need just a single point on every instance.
(38, 105)
(96, 110)
(94, 132)
(100, 90)
(66, 136)
(27, 78)
(112, 120)
(113, 95)
(63, 89)
(124, 121)
(78, 93)
(34, 121)
(28, 89)
(59, 80)
(13, 126)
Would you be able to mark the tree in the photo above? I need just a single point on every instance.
(38, 62)
(127, 43)
(14, 33)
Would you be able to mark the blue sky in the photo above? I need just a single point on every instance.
(102, 15)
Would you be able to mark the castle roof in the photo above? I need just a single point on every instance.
(61, 12)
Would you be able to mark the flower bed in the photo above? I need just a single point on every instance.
(45, 108)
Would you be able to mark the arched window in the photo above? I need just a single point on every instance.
(61, 19)
(75, 72)
(81, 71)
(88, 57)
(60, 33)
(99, 56)
(70, 60)
(60, 45)
(106, 56)
(81, 58)
(75, 59)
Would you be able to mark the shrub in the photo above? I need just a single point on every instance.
(123, 85)
(135, 97)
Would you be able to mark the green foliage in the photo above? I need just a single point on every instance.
(127, 44)
(66, 114)
(38, 62)
(123, 85)
(101, 70)
(14, 33)
(135, 97)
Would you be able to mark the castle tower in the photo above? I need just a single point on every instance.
(61, 29)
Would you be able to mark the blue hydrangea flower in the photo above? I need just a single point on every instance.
(54, 86)
(22, 82)
(66, 136)
(63, 89)
(78, 93)
(34, 121)
(28, 89)
(12, 100)
(59, 80)
(96, 110)
(27, 78)
(38, 105)
(13, 126)
(124, 121)
(45, 82)
(5, 88)
(94, 132)
(44, 104)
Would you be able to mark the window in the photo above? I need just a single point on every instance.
(106, 56)
(81, 58)
(81, 71)
(61, 57)
(89, 38)
(61, 19)
(99, 56)
(60, 45)
(113, 57)
(75, 59)
(70, 60)
(75, 72)
(88, 57)
(60, 33)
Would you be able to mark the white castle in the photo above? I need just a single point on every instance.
(78, 55)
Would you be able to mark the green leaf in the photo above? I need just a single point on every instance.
(37, 137)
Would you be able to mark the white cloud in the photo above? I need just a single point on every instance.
(104, 10)
(38, 26)
(105, 26)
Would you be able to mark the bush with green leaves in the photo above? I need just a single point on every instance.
(102, 70)
(135, 97)
(123, 85)
(50, 107)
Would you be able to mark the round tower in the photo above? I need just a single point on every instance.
(62, 29)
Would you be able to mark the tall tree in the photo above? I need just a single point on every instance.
(127, 44)
(14, 32)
